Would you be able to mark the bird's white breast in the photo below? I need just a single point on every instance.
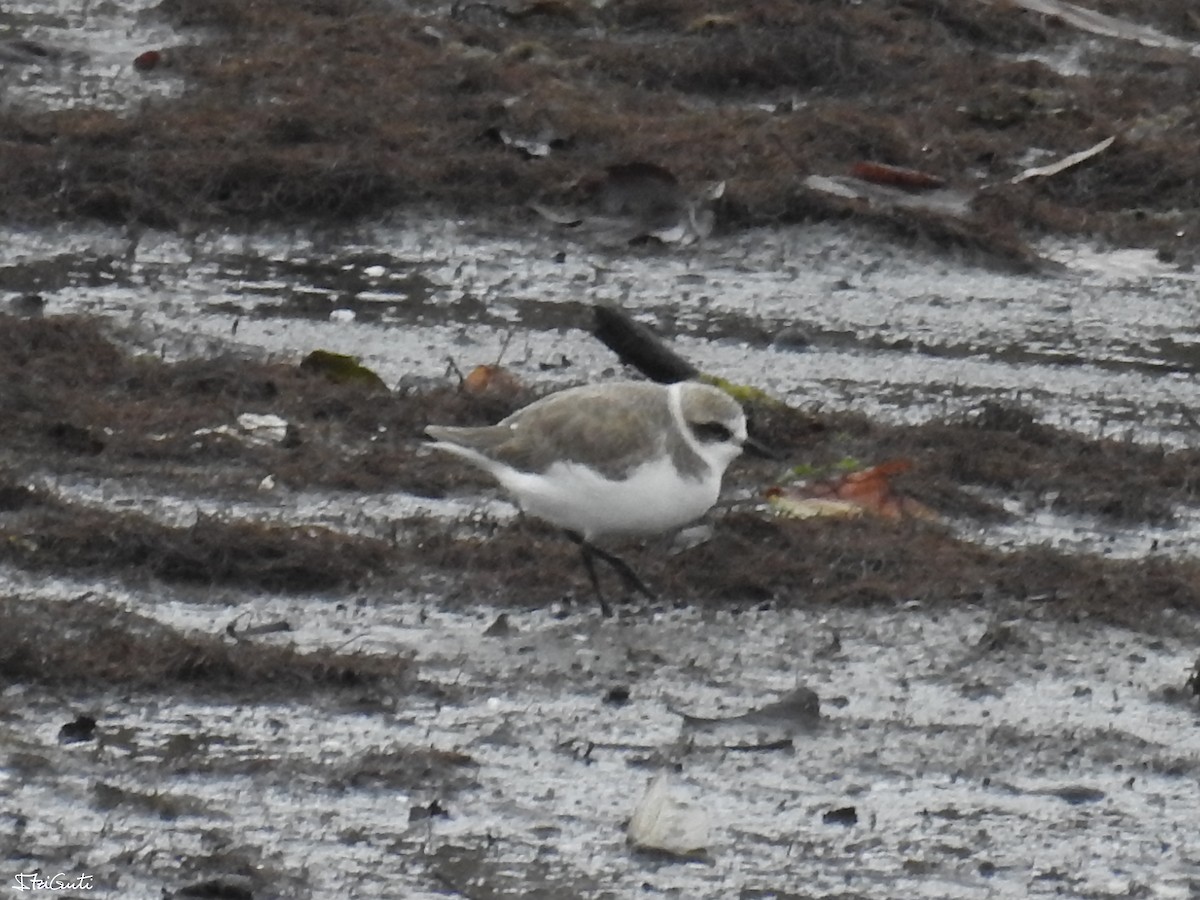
(653, 498)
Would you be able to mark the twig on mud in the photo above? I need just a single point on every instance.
(468, 381)
(638, 346)
(275, 627)
(1067, 162)
(453, 369)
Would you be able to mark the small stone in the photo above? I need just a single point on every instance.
(792, 338)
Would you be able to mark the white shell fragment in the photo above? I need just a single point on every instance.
(662, 822)
(263, 428)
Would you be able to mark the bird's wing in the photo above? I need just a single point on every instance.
(608, 433)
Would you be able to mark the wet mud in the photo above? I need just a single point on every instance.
(257, 640)
(180, 647)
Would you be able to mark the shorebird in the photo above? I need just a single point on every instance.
(625, 458)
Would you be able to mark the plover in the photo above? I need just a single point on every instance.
(625, 458)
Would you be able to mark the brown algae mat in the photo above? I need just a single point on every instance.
(345, 109)
(88, 642)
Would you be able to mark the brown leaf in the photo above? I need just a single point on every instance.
(868, 491)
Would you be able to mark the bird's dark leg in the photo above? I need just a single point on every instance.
(633, 584)
(585, 550)
(589, 552)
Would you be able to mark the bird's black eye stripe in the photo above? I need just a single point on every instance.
(711, 432)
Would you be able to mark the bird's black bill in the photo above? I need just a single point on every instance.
(755, 447)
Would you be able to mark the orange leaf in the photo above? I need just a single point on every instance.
(491, 380)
